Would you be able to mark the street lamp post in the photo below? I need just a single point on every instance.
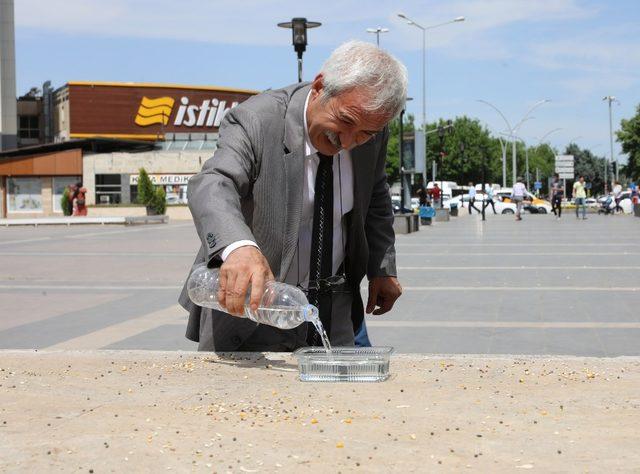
(610, 98)
(405, 183)
(442, 129)
(424, 62)
(299, 28)
(461, 163)
(512, 133)
(377, 32)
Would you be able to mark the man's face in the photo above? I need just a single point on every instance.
(340, 122)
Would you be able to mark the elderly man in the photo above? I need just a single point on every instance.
(297, 191)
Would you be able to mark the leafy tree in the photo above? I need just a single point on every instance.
(464, 164)
(145, 187)
(158, 202)
(629, 137)
(155, 199)
(393, 146)
(64, 201)
(589, 166)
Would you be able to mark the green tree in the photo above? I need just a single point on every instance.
(464, 163)
(629, 137)
(64, 201)
(542, 159)
(158, 202)
(393, 146)
(589, 166)
(145, 188)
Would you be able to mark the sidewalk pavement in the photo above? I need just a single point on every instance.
(134, 411)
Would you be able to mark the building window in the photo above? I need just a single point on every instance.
(108, 189)
(29, 126)
(25, 195)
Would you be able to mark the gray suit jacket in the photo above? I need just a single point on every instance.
(252, 188)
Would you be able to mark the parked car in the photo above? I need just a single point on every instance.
(501, 207)
(590, 202)
(537, 206)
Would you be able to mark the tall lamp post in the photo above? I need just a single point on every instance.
(405, 183)
(377, 32)
(442, 129)
(610, 98)
(461, 163)
(512, 134)
(299, 28)
(424, 62)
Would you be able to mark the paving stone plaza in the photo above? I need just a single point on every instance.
(539, 286)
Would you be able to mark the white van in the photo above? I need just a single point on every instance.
(447, 188)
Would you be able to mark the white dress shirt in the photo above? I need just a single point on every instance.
(342, 191)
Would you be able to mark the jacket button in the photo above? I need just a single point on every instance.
(236, 340)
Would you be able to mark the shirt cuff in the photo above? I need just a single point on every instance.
(240, 243)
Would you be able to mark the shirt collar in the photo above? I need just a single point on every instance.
(309, 149)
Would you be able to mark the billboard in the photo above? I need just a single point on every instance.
(146, 111)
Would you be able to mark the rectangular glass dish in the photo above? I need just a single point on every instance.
(344, 364)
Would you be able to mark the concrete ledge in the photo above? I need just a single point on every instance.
(442, 215)
(142, 220)
(62, 221)
(129, 220)
(406, 223)
(136, 411)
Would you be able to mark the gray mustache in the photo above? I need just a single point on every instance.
(333, 138)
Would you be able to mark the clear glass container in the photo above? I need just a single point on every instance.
(344, 364)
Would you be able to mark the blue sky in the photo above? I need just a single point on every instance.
(511, 53)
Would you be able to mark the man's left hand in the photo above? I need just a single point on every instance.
(383, 293)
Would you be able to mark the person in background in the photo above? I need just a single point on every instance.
(517, 195)
(472, 198)
(72, 193)
(79, 200)
(634, 193)
(580, 195)
(435, 193)
(617, 195)
(423, 196)
(490, 202)
(557, 193)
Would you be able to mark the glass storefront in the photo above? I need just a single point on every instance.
(24, 194)
(108, 189)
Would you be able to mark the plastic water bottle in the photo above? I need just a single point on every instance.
(281, 305)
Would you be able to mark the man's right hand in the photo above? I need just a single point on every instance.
(244, 266)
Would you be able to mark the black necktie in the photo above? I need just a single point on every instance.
(321, 263)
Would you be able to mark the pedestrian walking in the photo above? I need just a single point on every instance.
(518, 194)
(490, 202)
(422, 196)
(79, 200)
(580, 196)
(472, 198)
(617, 195)
(557, 193)
(435, 193)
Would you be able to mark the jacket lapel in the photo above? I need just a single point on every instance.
(294, 174)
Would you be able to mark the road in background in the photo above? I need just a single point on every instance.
(539, 286)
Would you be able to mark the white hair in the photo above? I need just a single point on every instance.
(361, 65)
